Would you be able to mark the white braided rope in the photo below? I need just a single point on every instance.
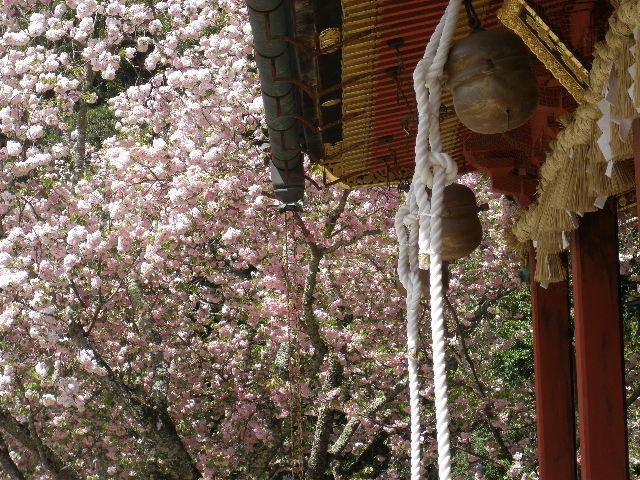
(419, 229)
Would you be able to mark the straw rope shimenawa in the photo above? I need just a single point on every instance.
(591, 158)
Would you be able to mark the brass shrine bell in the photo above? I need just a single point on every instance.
(461, 229)
(490, 78)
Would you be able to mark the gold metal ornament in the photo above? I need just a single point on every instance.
(490, 78)
(330, 40)
(520, 17)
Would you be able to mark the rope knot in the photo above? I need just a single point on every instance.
(434, 161)
(410, 220)
(432, 79)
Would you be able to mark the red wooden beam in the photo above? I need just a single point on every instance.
(552, 355)
(636, 157)
(598, 336)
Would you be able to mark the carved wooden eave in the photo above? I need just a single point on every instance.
(355, 61)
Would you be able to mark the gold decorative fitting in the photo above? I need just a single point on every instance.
(331, 103)
(329, 39)
(627, 201)
(536, 34)
(332, 149)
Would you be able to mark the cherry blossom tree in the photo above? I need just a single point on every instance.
(160, 319)
(629, 247)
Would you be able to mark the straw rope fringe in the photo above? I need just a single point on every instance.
(549, 268)
(589, 159)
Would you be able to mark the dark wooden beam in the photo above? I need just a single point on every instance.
(598, 337)
(552, 355)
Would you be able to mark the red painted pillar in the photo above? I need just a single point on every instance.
(598, 336)
(553, 380)
(636, 156)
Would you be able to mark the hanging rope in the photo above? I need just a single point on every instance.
(418, 226)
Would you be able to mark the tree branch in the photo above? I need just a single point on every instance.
(352, 240)
(324, 425)
(488, 412)
(354, 422)
(28, 438)
(335, 214)
(482, 456)
(465, 349)
(315, 249)
(156, 425)
(81, 143)
(368, 458)
(263, 457)
(633, 396)
(310, 322)
(159, 366)
(8, 465)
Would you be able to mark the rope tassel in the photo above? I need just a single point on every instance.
(421, 215)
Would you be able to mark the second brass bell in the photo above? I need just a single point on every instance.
(461, 229)
(490, 78)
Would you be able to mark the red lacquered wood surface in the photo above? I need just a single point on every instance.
(553, 380)
(598, 336)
